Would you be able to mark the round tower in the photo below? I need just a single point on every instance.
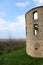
(34, 32)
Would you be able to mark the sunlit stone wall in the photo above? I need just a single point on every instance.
(34, 32)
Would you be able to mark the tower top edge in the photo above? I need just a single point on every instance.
(34, 8)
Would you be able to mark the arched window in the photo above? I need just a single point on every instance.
(35, 29)
(35, 15)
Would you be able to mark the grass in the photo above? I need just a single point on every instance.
(19, 57)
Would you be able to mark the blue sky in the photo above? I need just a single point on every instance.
(12, 17)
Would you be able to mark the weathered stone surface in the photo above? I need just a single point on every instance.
(34, 43)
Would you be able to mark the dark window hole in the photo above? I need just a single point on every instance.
(36, 48)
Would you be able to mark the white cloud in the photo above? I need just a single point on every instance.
(3, 24)
(22, 4)
(16, 29)
(38, 2)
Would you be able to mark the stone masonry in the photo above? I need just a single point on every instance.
(34, 32)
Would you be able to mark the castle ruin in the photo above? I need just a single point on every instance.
(34, 32)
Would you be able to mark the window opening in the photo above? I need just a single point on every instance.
(35, 15)
(35, 29)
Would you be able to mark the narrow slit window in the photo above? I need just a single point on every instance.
(35, 15)
(35, 29)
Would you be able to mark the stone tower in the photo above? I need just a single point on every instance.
(34, 32)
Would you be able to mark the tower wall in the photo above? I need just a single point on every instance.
(34, 43)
